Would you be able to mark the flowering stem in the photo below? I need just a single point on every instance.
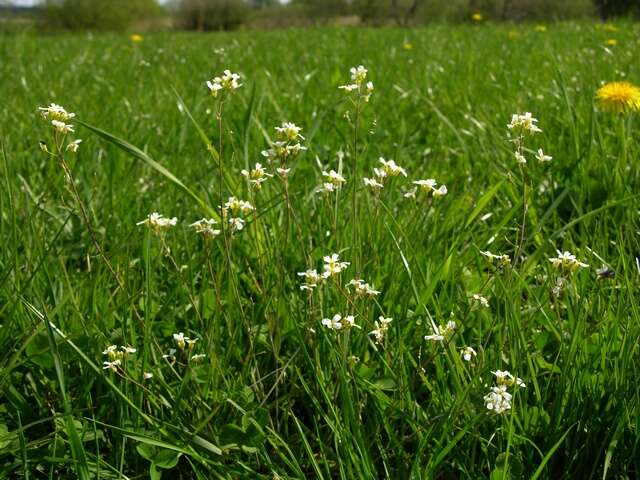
(525, 207)
(354, 173)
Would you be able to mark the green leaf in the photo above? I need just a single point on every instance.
(139, 154)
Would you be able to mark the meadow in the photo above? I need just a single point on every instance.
(468, 344)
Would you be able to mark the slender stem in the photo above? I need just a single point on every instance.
(354, 180)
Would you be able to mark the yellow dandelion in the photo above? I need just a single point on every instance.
(136, 38)
(476, 17)
(619, 97)
(612, 42)
(407, 46)
(541, 28)
(513, 34)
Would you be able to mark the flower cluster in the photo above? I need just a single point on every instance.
(498, 400)
(157, 222)
(227, 82)
(338, 322)
(205, 227)
(567, 263)
(362, 289)
(256, 176)
(332, 266)
(333, 182)
(429, 187)
(359, 87)
(286, 148)
(185, 345)
(382, 325)
(502, 260)
(524, 125)
(442, 332)
(468, 353)
(232, 210)
(59, 116)
(115, 355)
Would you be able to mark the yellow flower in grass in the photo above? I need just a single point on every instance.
(136, 38)
(612, 42)
(476, 17)
(619, 97)
(407, 46)
(541, 28)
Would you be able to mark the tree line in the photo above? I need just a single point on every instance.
(208, 15)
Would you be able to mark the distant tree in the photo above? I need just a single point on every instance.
(614, 8)
(212, 14)
(97, 14)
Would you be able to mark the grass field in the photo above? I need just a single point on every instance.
(268, 390)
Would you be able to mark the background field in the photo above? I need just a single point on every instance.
(279, 395)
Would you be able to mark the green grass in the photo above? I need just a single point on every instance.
(279, 395)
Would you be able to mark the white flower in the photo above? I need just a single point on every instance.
(228, 81)
(289, 131)
(498, 400)
(128, 350)
(411, 193)
(147, 375)
(112, 365)
(334, 322)
(62, 127)
(236, 224)
(337, 322)
(369, 90)
(73, 146)
(349, 88)
(156, 221)
(358, 74)
(204, 226)
(333, 265)
(468, 353)
(180, 340)
(541, 157)
(391, 168)
(504, 377)
(172, 351)
(238, 206)
(312, 278)
(283, 172)
(111, 351)
(427, 185)
(380, 174)
(334, 177)
(567, 262)
(326, 188)
(197, 357)
(257, 175)
(524, 124)
(520, 159)
(442, 332)
(362, 289)
(479, 300)
(503, 259)
(373, 183)
(441, 191)
(56, 112)
(382, 325)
